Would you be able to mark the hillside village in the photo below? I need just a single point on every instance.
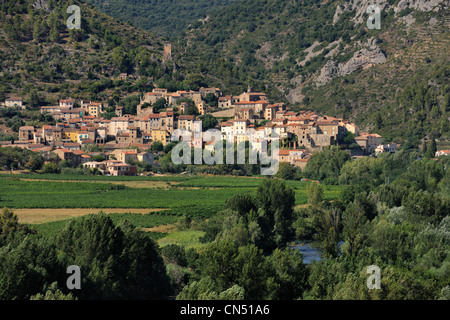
(100, 201)
(126, 137)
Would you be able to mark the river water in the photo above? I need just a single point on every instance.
(309, 252)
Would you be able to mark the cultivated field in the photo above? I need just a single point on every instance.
(131, 184)
(47, 201)
(43, 215)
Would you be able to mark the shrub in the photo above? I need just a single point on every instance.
(51, 168)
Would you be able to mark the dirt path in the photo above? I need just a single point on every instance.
(37, 216)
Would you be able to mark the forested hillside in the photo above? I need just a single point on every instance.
(41, 59)
(165, 17)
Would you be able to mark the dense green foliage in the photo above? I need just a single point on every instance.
(399, 224)
(418, 111)
(39, 45)
(168, 18)
(119, 260)
(225, 266)
(326, 165)
(264, 221)
(234, 259)
(208, 122)
(18, 158)
(394, 214)
(116, 261)
(287, 172)
(10, 224)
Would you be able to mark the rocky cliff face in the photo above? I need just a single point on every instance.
(422, 5)
(360, 7)
(41, 5)
(362, 59)
(367, 54)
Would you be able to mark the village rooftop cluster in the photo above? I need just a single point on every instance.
(128, 137)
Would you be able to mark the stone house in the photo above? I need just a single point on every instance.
(14, 102)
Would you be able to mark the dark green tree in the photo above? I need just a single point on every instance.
(157, 146)
(117, 261)
(168, 147)
(28, 264)
(315, 193)
(242, 204)
(98, 158)
(355, 225)
(326, 164)
(9, 223)
(218, 262)
(287, 171)
(51, 168)
(275, 201)
(211, 100)
(208, 122)
(288, 275)
(328, 231)
(159, 105)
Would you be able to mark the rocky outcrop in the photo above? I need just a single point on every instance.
(337, 14)
(264, 54)
(360, 7)
(310, 53)
(366, 54)
(327, 73)
(362, 59)
(295, 95)
(41, 5)
(409, 19)
(421, 5)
